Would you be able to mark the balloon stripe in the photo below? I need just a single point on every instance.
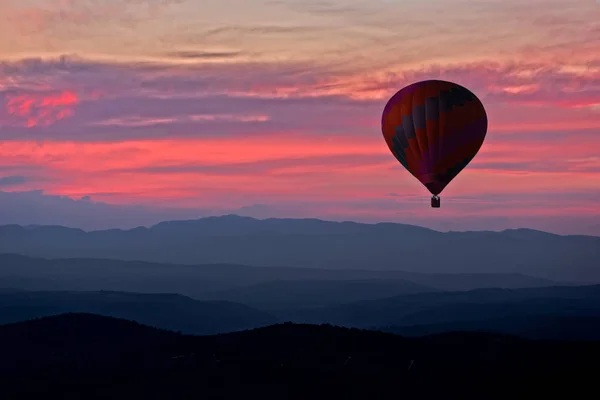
(434, 129)
(418, 110)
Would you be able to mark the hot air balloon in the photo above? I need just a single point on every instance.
(434, 129)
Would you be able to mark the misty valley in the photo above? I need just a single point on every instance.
(255, 302)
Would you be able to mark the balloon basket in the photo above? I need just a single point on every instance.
(435, 202)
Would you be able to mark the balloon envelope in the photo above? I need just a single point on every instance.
(434, 129)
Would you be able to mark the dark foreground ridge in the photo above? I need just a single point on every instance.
(74, 356)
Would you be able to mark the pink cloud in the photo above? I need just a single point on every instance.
(274, 167)
(235, 135)
(241, 99)
(36, 109)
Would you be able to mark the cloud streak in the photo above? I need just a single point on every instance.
(204, 55)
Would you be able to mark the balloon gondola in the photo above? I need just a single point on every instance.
(434, 129)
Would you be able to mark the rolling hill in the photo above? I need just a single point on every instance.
(565, 313)
(532, 312)
(283, 295)
(234, 282)
(166, 311)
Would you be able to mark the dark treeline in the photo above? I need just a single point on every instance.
(85, 356)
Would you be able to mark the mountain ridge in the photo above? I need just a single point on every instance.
(322, 244)
(479, 307)
(239, 218)
(197, 281)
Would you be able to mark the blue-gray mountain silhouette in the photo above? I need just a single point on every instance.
(310, 243)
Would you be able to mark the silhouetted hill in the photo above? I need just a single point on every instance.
(538, 313)
(542, 326)
(517, 311)
(321, 244)
(87, 356)
(277, 295)
(166, 311)
(202, 281)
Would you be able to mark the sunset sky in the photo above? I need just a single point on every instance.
(126, 112)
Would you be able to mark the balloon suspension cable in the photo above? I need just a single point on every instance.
(435, 201)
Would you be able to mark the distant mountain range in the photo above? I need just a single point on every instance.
(88, 356)
(310, 243)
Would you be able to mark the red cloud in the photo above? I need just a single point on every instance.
(42, 109)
